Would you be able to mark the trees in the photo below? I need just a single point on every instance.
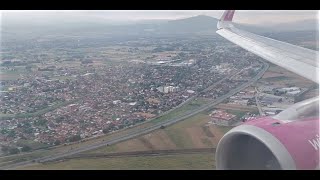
(14, 150)
(10, 150)
(5, 149)
(59, 119)
(19, 125)
(75, 138)
(40, 122)
(252, 72)
(105, 131)
(121, 126)
(28, 130)
(3, 131)
(57, 142)
(26, 148)
(11, 133)
(28, 67)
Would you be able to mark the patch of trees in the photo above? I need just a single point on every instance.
(75, 138)
(26, 148)
(59, 119)
(46, 69)
(10, 150)
(57, 142)
(77, 56)
(252, 72)
(279, 93)
(28, 67)
(11, 133)
(28, 130)
(14, 150)
(105, 131)
(109, 128)
(5, 149)
(7, 56)
(40, 122)
(161, 49)
(87, 61)
(14, 63)
(3, 131)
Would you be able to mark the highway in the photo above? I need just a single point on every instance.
(140, 132)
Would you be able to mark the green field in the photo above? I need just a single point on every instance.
(178, 134)
(169, 162)
(238, 113)
(225, 129)
(194, 104)
(175, 132)
(9, 75)
(277, 78)
(13, 74)
(179, 137)
(31, 144)
(22, 157)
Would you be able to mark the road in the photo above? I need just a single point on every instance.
(147, 130)
(257, 102)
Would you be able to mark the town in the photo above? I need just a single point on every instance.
(59, 98)
(53, 102)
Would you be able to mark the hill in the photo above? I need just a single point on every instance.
(90, 26)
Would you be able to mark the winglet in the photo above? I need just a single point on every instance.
(226, 19)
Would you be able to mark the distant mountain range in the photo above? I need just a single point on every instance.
(305, 25)
(194, 25)
(207, 23)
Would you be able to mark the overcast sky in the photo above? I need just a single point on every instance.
(241, 16)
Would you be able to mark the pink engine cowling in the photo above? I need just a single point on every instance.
(268, 143)
(289, 140)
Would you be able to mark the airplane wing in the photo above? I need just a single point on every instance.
(301, 61)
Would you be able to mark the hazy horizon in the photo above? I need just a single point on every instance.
(254, 17)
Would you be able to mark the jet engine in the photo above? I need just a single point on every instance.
(289, 140)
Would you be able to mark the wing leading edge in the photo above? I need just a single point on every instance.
(301, 61)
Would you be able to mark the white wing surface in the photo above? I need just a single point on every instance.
(301, 61)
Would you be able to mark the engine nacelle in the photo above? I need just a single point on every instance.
(268, 143)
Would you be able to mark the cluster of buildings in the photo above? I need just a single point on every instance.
(275, 98)
(234, 79)
(56, 102)
(168, 89)
(223, 68)
(289, 91)
(245, 98)
(271, 99)
(222, 118)
(94, 101)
